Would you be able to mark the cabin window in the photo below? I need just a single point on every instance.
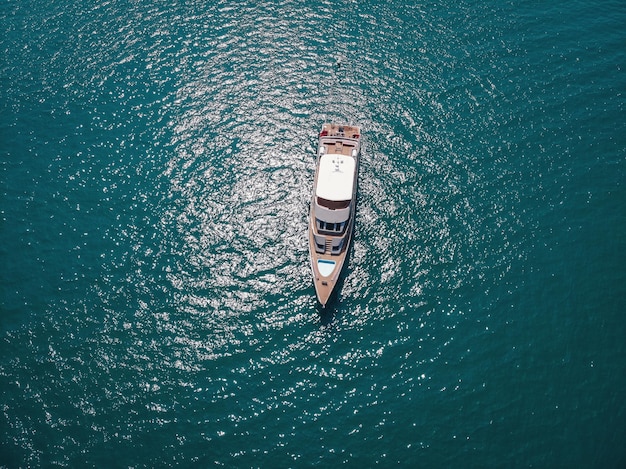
(330, 227)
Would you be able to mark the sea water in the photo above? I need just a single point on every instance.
(157, 304)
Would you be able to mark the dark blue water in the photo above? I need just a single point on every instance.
(157, 306)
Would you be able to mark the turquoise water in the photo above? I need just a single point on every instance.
(157, 306)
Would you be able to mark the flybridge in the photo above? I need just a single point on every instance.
(335, 177)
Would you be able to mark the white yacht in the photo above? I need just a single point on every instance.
(333, 204)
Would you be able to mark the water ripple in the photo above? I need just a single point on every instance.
(163, 307)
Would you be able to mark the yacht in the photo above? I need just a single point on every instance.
(333, 204)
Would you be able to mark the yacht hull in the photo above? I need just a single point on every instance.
(333, 205)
